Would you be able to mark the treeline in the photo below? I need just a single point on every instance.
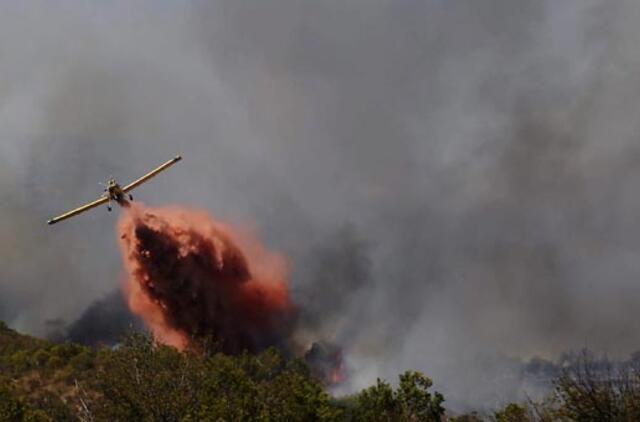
(140, 381)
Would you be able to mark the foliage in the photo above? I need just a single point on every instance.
(146, 382)
(597, 390)
(12, 409)
(410, 402)
(513, 412)
(143, 381)
(467, 417)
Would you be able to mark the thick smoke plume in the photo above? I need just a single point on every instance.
(484, 153)
(105, 322)
(190, 276)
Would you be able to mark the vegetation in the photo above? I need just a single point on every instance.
(410, 402)
(599, 390)
(141, 381)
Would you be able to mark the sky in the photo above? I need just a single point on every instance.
(454, 183)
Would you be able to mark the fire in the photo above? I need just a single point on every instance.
(338, 374)
(189, 275)
(326, 363)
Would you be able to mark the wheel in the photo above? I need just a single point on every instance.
(130, 197)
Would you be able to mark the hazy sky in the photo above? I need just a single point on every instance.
(455, 182)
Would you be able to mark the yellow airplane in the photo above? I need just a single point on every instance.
(114, 192)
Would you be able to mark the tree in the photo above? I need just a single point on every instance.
(13, 409)
(512, 413)
(376, 403)
(145, 382)
(412, 401)
(416, 402)
(592, 389)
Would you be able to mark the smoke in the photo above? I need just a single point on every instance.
(104, 322)
(483, 155)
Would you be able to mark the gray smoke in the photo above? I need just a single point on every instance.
(104, 323)
(483, 154)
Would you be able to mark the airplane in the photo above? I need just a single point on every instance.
(114, 192)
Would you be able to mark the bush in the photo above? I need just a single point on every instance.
(143, 381)
(67, 350)
(597, 390)
(513, 413)
(40, 358)
(11, 409)
(54, 362)
(19, 362)
(14, 410)
(411, 401)
(83, 361)
(467, 417)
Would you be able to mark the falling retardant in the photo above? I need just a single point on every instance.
(190, 276)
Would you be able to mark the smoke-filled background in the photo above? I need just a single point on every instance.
(454, 182)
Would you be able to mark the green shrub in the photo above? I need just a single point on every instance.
(83, 361)
(67, 350)
(411, 401)
(40, 358)
(54, 362)
(513, 413)
(19, 362)
(13, 409)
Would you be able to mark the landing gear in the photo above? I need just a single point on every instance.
(109, 208)
(130, 197)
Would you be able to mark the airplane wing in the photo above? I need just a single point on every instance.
(152, 173)
(79, 210)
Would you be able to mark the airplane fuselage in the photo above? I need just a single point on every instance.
(115, 193)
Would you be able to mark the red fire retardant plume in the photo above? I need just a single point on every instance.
(190, 276)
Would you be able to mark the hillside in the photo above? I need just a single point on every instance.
(139, 380)
(143, 381)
